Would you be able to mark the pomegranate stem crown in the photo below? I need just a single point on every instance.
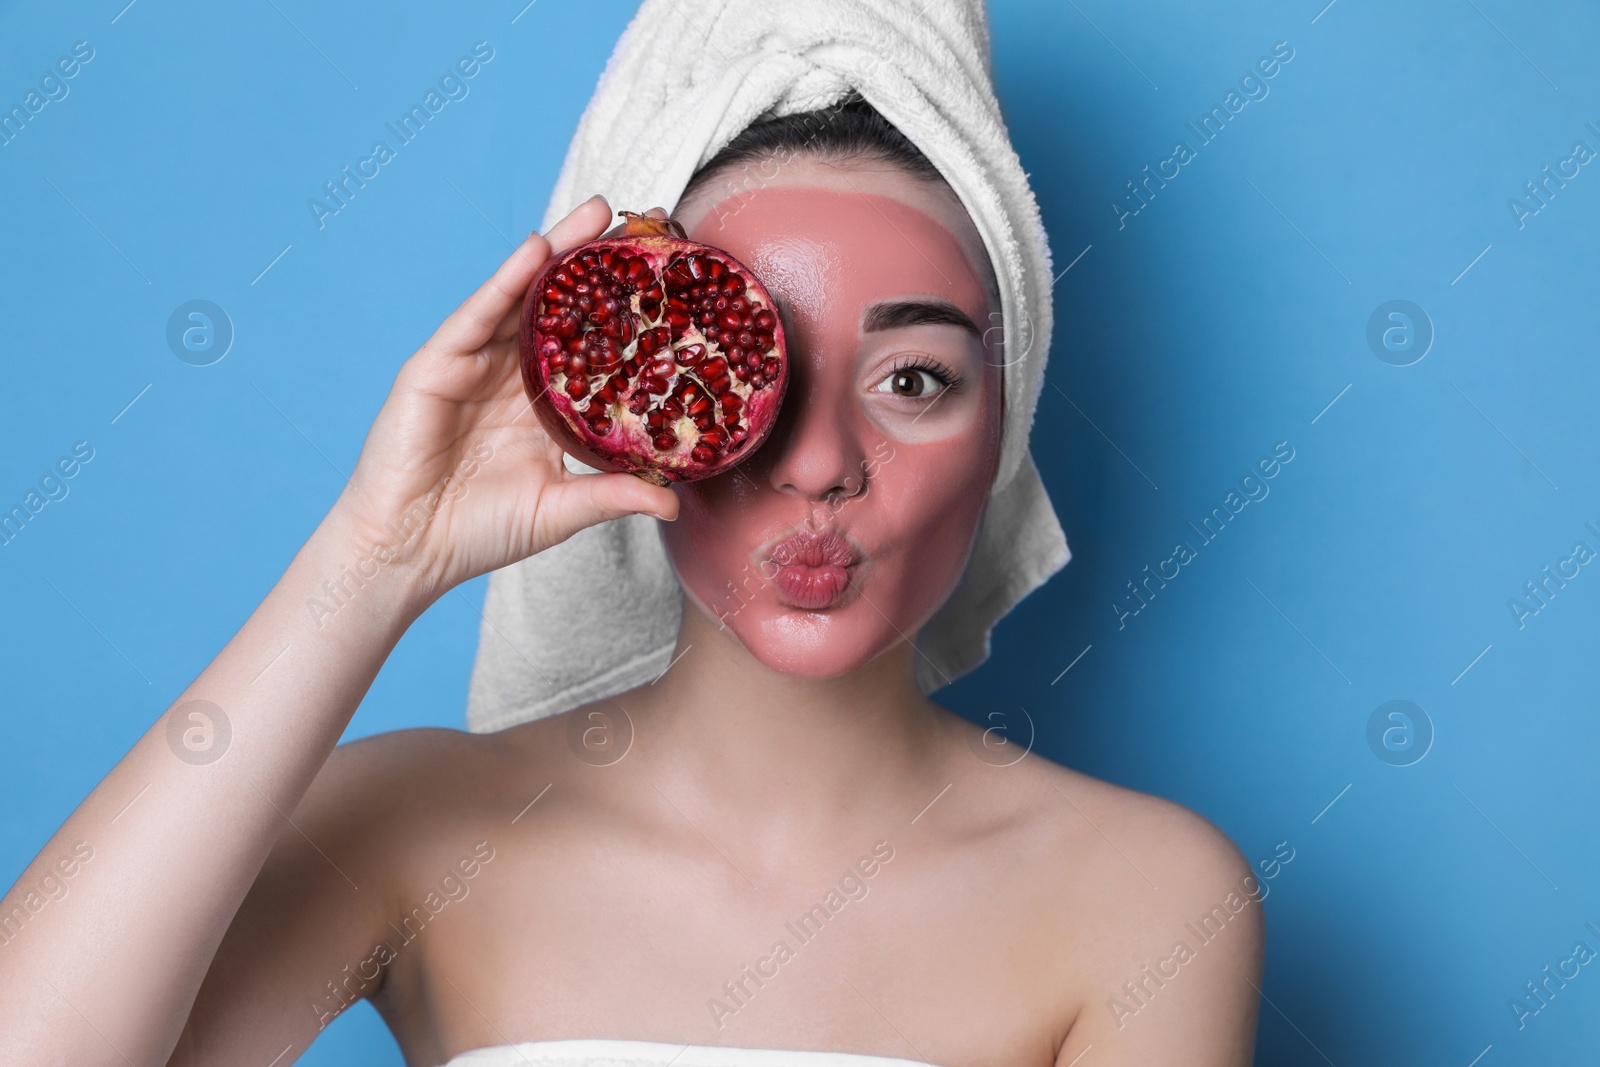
(639, 224)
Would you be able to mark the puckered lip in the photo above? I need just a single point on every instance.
(808, 547)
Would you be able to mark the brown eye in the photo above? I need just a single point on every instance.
(910, 382)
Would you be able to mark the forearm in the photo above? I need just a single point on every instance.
(178, 830)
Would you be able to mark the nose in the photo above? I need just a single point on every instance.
(816, 451)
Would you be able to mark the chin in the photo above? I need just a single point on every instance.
(811, 644)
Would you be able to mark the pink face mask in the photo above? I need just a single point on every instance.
(854, 521)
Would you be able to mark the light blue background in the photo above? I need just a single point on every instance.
(1221, 319)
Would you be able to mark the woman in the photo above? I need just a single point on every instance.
(798, 851)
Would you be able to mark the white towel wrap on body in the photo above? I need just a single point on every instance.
(604, 1053)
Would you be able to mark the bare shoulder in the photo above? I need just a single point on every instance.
(410, 782)
(383, 816)
(1149, 918)
(1169, 838)
(368, 781)
(1073, 820)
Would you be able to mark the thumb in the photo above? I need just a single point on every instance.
(585, 500)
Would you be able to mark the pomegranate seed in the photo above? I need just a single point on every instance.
(646, 333)
(757, 380)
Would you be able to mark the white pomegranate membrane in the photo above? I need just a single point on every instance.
(649, 353)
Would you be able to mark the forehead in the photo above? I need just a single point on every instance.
(833, 241)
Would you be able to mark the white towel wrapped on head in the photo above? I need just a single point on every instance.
(599, 614)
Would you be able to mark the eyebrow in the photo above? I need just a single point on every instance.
(898, 314)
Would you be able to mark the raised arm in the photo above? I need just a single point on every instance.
(455, 479)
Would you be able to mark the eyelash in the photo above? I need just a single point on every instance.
(951, 380)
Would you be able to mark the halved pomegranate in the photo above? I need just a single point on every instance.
(649, 353)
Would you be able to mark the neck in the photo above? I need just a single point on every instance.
(779, 756)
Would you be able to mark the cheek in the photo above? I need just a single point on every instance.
(930, 501)
(719, 522)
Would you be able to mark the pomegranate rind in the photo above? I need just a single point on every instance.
(656, 425)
